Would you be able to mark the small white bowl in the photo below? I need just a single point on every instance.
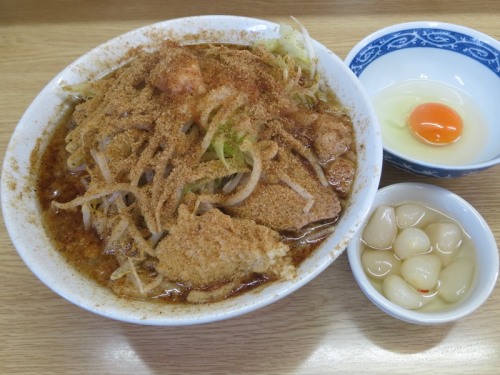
(463, 60)
(440, 199)
(21, 208)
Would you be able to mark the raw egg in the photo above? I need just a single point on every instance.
(418, 117)
(435, 123)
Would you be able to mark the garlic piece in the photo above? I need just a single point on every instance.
(401, 293)
(381, 229)
(445, 237)
(411, 241)
(410, 214)
(380, 263)
(456, 279)
(422, 271)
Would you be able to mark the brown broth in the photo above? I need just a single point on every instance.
(83, 249)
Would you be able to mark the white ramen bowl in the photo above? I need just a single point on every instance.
(465, 61)
(22, 210)
(452, 205)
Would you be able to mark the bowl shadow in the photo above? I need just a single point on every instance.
(295, 328)
(264, 341)
(387, 332)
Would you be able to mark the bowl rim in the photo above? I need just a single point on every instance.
(475, 35)
(230, 309)
(415, 316)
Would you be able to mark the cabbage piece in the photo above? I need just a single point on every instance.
(296, 44)
(84, 90)
(226, 144)
(294, 51)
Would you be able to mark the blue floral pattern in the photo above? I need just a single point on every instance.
(442, 172)
(429, 38)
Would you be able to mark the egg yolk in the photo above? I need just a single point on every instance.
(435, 123)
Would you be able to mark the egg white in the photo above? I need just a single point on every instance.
(393, 105)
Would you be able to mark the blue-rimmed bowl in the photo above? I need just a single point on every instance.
(463, 59)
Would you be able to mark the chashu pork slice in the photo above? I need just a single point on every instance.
(212, 249)
(288, 196)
